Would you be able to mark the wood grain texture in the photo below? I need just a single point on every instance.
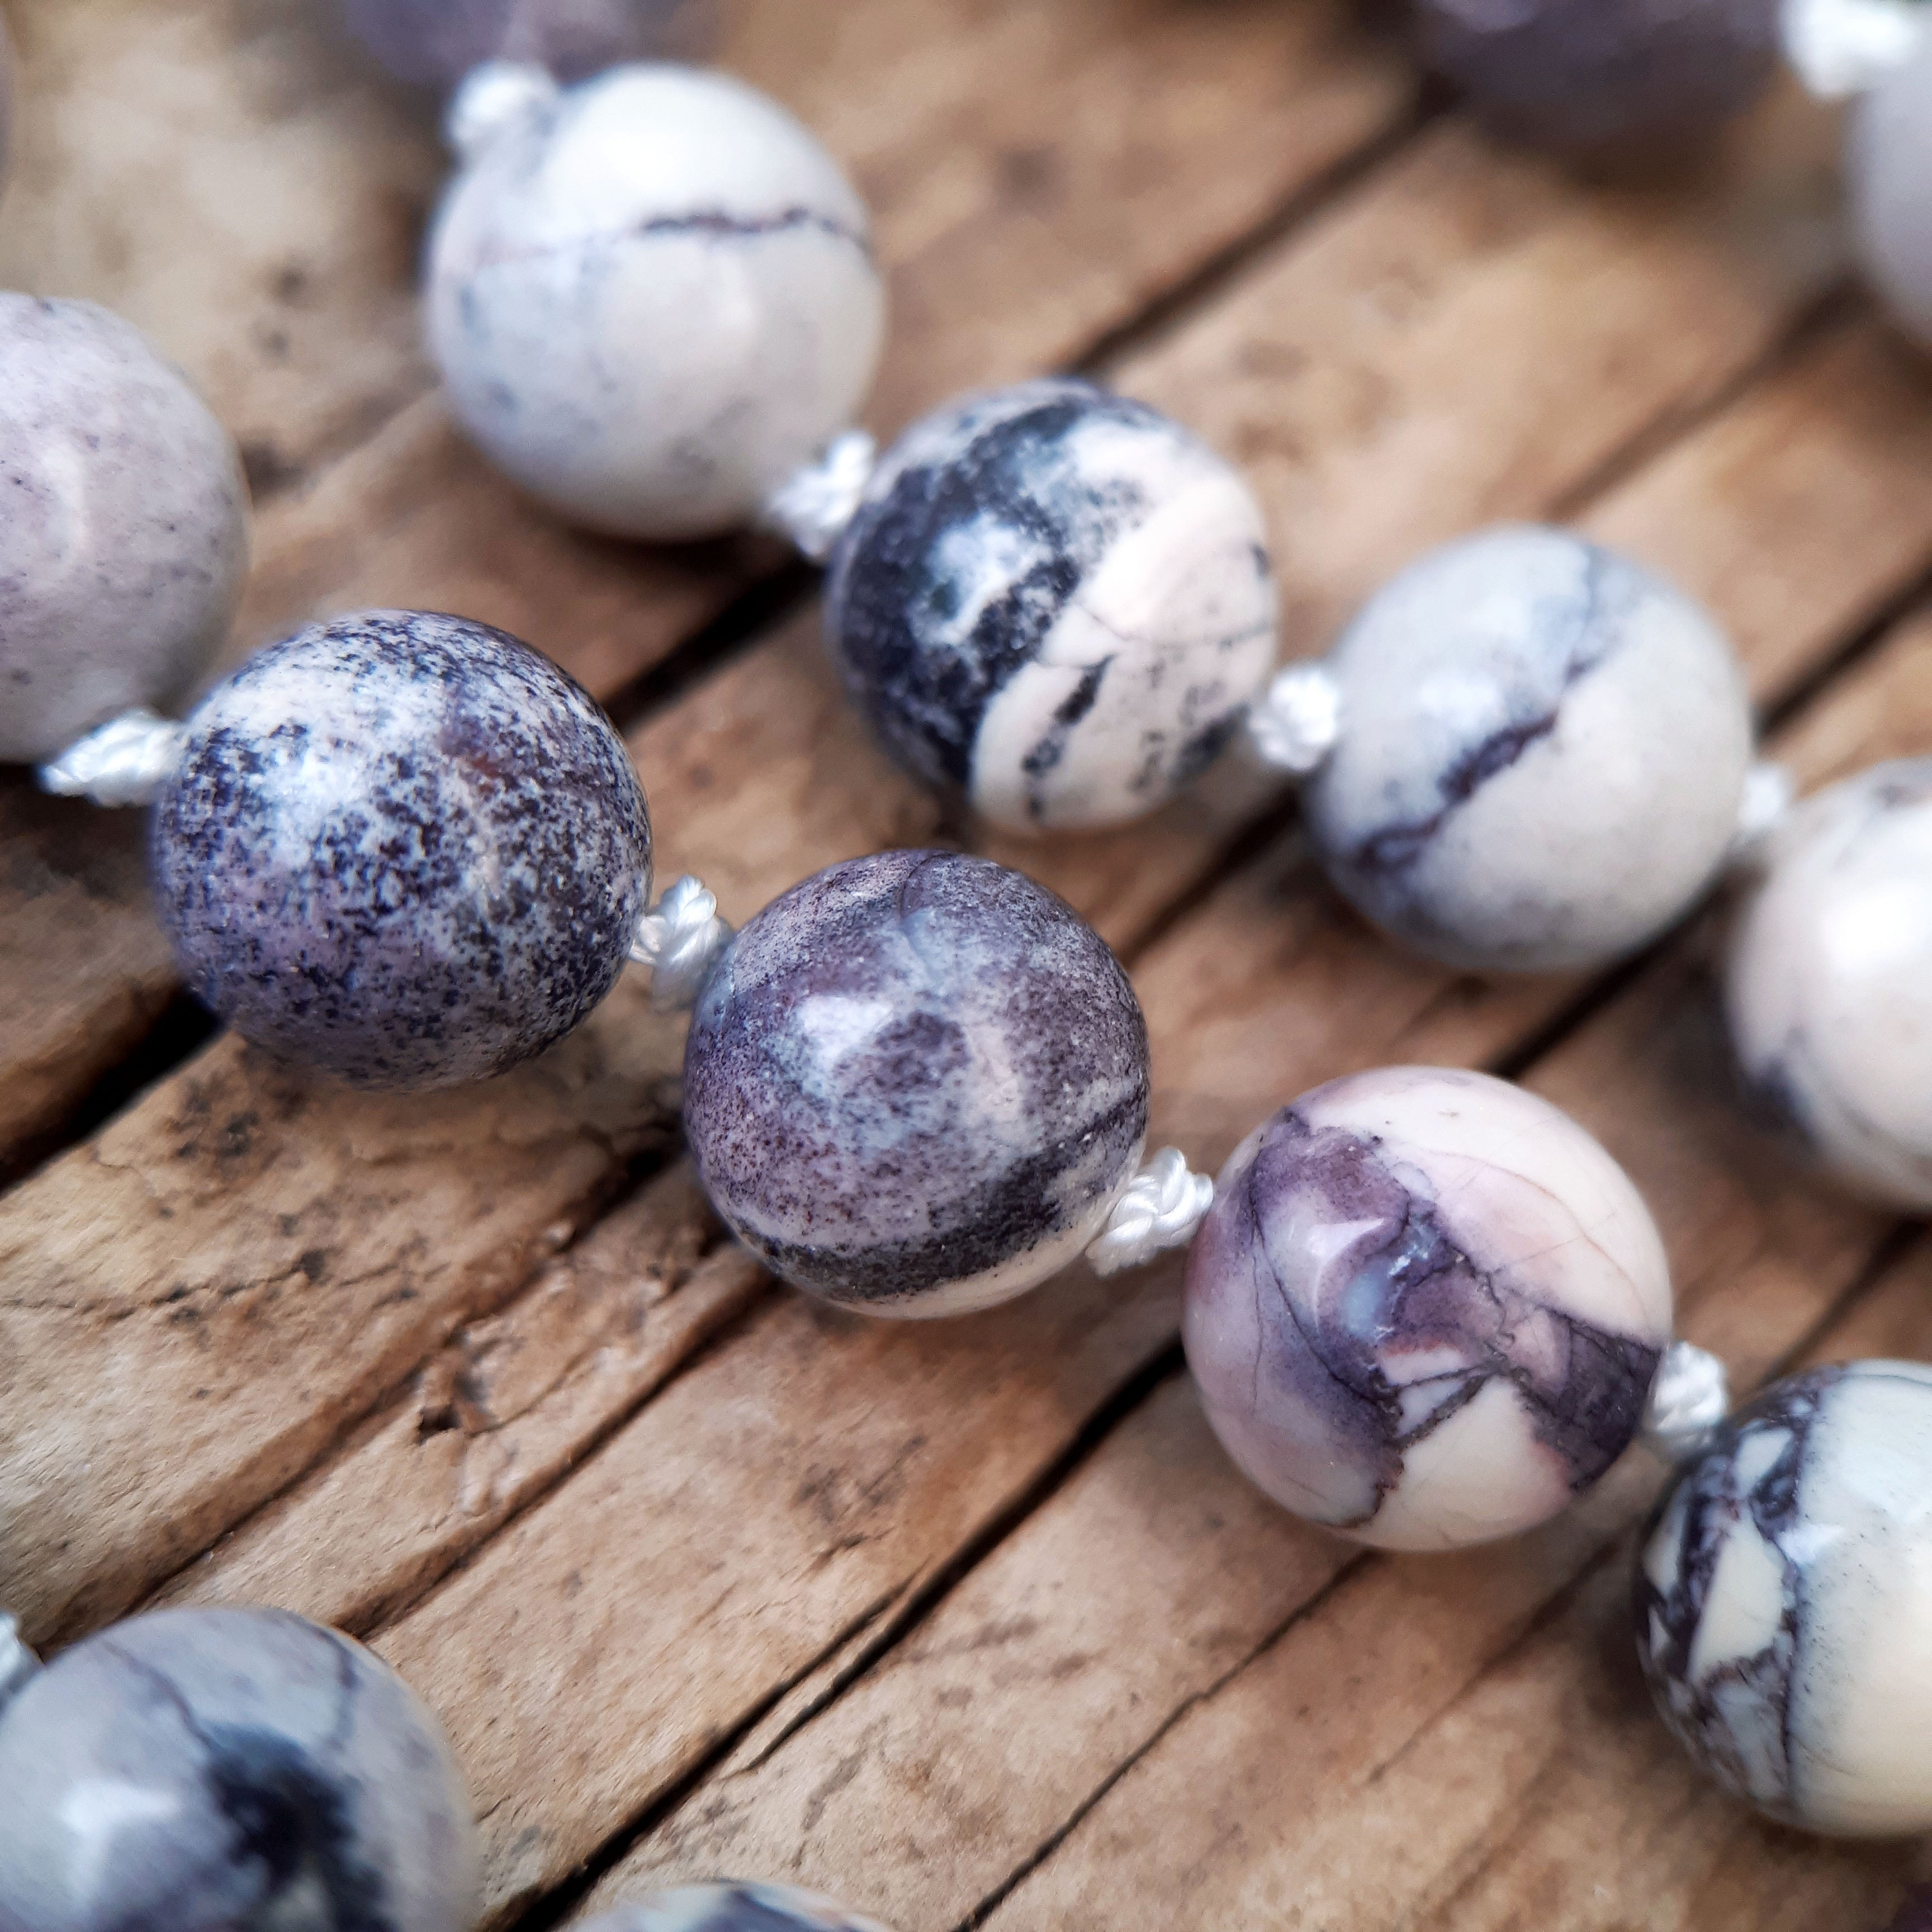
(972, 1621)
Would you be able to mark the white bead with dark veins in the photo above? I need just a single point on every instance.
(194, 1768)
(1426, 1309)
(729, 1906)
(401, 848)
(1829, 983)
(916, 1084)
(654, 301)
(1888, 166)
(1784, 1602)
(124, 526)
(1054, 602)
(1542, 757)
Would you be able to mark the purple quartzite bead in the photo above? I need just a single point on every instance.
(1426, 1308)
(402, 848)
(917, 1083)
(1584, 74)
(200, 1768)
(732, 1906)
(437, 42)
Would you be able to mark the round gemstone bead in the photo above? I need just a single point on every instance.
(654, 300)
(1829, 985)
(727, 1907)
(125, 537)
(917, 1083)
(1426, 1308)
(1583, 74)
(1054, 602)
(1783, 1602)
(437, 42)
(402, 848)
(1542, 755)
(199, 1767)
(1888, 162)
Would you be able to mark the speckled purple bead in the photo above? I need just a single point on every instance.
(917, 1083)
(1584, 74)
(123, 525)
(437, 42)
(199, 1768)
(403, 848)
(1426, 1308)
(732, 1906)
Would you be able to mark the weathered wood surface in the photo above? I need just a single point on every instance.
(973, 1623)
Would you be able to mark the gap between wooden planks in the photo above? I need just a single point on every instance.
(1450, 499)
(235, 178)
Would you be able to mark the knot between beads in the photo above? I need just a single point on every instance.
(1162, 1206)
(494, 100)
(680, 939)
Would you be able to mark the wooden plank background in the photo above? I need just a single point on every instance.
(971, 1625)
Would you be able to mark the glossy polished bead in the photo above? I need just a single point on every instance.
(1054, 602)
(194, 1769)
(1583, 74)
(1542, 755)
(653, 301)
(401, 848)
(125, 537)
(1829, 985)
(917, 1083)
(732, 1907)
(1889, 164)
(1784, 1602)
(437, 42)
(1426, 1309)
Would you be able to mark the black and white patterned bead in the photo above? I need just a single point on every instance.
(653, 299)
(124, 524)
(917, 1083)
(1542, 755)
(1054, 602)
(227, 1768)
(401, 848)
(1784, 1602)
(1426, 1309)
(727, 1907)
(1829, 983)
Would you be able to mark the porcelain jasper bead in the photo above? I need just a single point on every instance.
(401, 848)
(733, 1907)
(1055, 602)
(1426, 1309)
(652, 300)
(1581, 74)
(199, 1767)
(125, 535)
(1829, 988)
(917, 1083)
(1888, 162)
(1782, 1602)
(439, 41)
(1542, 755)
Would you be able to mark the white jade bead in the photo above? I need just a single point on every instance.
(653, 299)
(1829, 990)
(1888, 165)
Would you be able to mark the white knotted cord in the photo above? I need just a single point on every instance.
(1690, 1396)
(680, 940)
(1839, 48)
(1162, 1206)
(492, 100)
(812, 507)
(17, 1663)
(1769, 793)
(125, 761)
(1295, 723)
